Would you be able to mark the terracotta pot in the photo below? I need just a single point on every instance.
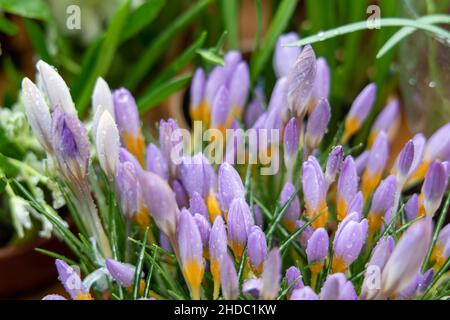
(23, 269)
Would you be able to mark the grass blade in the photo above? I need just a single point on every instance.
(139, 265)
(229, 10)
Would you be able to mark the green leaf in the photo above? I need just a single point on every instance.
(141, 17)
(105, 56)
(34, 9)
(37, 38)
(55, 255)
(211, 56)
(139, 265)
(280, 20)
(158, 94)
(159, 45)
(7, 27)
(229, 10)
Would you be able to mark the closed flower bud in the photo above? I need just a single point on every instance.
(108, 143)
(181, 195)
(239, 85)
(322, 83)
(253, 287)
(317, 250)
(217, 251)
(216, 79)
(305, 293)
(382, 201)
(317, 123)
(156, 163)
(441, 250)
(434, 186)
(347, 187)
(337, 287)
(230, 185)
(256, 249)
(220, 112)
(284, 57)
(255, 108)
(357, 204)
(404, 162)
(197, 205)
(278, 99)
(123, 273)
(412, 207)
(71, 281)
(305, 235)
(198, 107)
(294, 278)
(375, 165)
(168, 141)
(293, 211)
(229, 278)
(196, 174)
(291, 140)
(334, 163)
(361, 162)
(239, 222)
(127, 188)
(191, 252)
(388, 120)
(204, 228)
(102, 96)
(271, 275)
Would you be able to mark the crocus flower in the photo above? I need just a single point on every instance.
(204, 229)
(38, 114)
(71, 281)
(155, 162)
(232, 60)
(259, 219)
(388, 120)
(314, 191)
(291, 139)
(216, 79)
(337, 287)
(197, 205)
(317, 123)
(278, 99)
(127, 119)
(255, 108)
(404, 162)
(221, 110)
(317, 250)
(181, 195)
(128, 189)
(305, 235)
(406, 259)
(434, 186)
(348, 242)
(160, 201)
(257, 249)
(382, 201)
(284, 57)
(441, 250)
(240, 221)
(293, 211)
(294, 279)
(334, 163)
(361, 162)
(359, 110)
(419, 141)
(347, 187)
(322, 83)
(305, 293)
(217, 251)
(198, 108)
(123, 273)
(125, 155)
(168, 142)
(239, 85)
(301, 79)
(71, 145)
(271, 275)
(357, 204)
(229, 278)
(412, 207)
(196, 174)
(191, 252)
(102, 96)
(230, 185)
(107, 142)
(375, 165)
(253, 287)
(57, 91)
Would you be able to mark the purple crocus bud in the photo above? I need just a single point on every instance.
(322, 83)
(125, 155)
(240, 220)
(438, 146)
(380, 254)
(305, 293)
(388, 120)
(161, 203)
(164, 242)
(196, 175)
(107, 143)
(204, 228)
(305, 235)
(38, 114)
(191, 252)
(71, 146)
(229, 278)
(375, 165)
(220, 111)
(425, 280)
(71, 281)
(337, 287)
(294, 278)
(57, 91)
(419, 141)
(334, 163)
(259, 219)
(346, 188)
(53, 297)
(284, 57)
(404, 161)
(357, 204)
(102, 96)
(407, 258)
(181, 195)
(256, 249)
(123, 273)
(127, 119)
(156, 163)
(232, 59)
(127, 188)
(361, 162)
(434, 186)
(216, 79)
(255, 108)
(412, 207)
(359, 110)
(230, 185)
(314, 191)
(293, 211)
(301, 80)
(197, 91)
(382, 201)
(239, 85)
(317, 123)
(197, 205)
(317, 250)
(441, 250)
(271, 275)
(253, 287)
(278, 99)
(217, 251)
(291, 139)
(347, 244)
